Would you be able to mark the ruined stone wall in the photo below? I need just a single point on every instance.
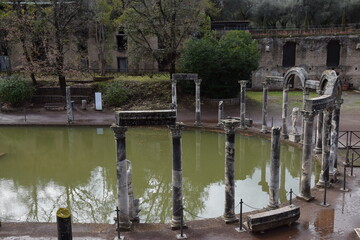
(311, 54)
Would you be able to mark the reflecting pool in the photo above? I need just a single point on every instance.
(44, 168)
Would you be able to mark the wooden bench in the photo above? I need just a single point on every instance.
(273, 218)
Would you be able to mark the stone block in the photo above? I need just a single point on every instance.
(294, 138)
(273, 218)
(146, 118)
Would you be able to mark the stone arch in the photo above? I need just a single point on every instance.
(299, 72)
(289, 76)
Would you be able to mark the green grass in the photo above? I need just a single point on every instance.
(276, 96)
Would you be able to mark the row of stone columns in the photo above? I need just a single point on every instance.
(122, 176)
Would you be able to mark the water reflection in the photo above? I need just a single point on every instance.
(46, 168)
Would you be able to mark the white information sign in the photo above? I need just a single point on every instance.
(98, 101)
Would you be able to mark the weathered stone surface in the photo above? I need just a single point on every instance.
(145, 118)
(184, 76)
(229, 126)
(274, 168)
(273, 218)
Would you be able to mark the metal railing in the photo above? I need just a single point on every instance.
(350, 141)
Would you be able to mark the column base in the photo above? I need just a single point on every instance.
(121, 238)
(197, 124)
(264, 130)
(230, 219)
(272, 206)
(284, 136)
(125, 226)
(294, 138)
(176, 224)
(305, 198)
(243, 127)
(317, 150)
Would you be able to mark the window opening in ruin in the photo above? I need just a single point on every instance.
(289, 54)
(121, 41)
(122, 64)
(163, 65)
(333, 54)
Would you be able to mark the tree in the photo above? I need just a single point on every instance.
(63, 17)
(23, 24)
(169, 21)
(221, 63)
(105, 21)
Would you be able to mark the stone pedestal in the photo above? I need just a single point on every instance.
(177, 197)
(294, 137)
(229, 126)
(274, 168)
(122, 178)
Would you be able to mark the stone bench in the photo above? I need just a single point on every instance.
(273, 218)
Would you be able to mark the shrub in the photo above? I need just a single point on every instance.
(15, 90)
(221, 63)
(115, 94)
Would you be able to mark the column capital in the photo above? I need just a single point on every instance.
(243, 82)
(176, 130)
(338, 103)
(309, 116)
(230, 125)
(197, 81)
(119, 131)
(265, 84)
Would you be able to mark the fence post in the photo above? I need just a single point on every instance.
(344, 189)
(240, 228)
(324, 204)
(63, 219)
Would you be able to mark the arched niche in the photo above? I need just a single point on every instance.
(290, 76)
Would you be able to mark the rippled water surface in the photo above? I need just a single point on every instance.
(45, 168)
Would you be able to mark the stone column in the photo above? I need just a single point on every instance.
(177, 197)
(334, 139)
(229, 126)
(69, 106)
(284, 132)
(318, 144)
(306, 161)
(173, 93)
(264, 108)
(197, 102)
(122, 178)
(305, 96)
(242, 103)
(324, 175)
(274, 168)
(220, 112)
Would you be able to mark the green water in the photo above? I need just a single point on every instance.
(50, 167)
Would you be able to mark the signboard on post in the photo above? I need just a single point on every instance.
(184, 76)
(98, 101)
